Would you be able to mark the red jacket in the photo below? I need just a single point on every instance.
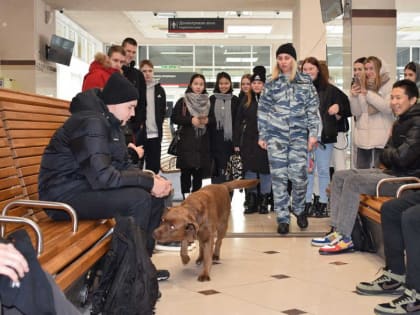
(98, 75)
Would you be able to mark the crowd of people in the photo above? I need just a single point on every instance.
(284, 127)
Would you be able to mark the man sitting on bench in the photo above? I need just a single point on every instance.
(401, 230)
(401, 157)
(86, 163)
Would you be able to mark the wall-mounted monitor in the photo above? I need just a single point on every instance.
(60, 50)
(330, 9)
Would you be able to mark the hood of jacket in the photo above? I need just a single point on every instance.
(414, 111)
(101, 63)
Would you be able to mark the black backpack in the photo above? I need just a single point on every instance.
(361, 236)
(128, 284)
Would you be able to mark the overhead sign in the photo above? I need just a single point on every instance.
(196, 25)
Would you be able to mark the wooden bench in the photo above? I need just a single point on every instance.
(67, 249)
(370, 206)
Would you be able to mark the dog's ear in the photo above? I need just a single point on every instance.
(191, 232)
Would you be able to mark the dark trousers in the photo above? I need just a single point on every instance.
(128, 201)
(152, 149)
(401, 231)
(197, 179)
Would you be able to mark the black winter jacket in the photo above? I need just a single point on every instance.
(330, 125)
(160, 111)
(246, 137)
(88, 153)
(221, 150)
(193, 151)
(136, 77)
(401, 155)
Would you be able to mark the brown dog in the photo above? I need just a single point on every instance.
(203, 216)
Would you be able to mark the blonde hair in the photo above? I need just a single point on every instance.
(277, 71)
(377, 64)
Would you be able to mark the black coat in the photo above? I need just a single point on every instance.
(246, 137)
(193, 151)
(221, 150)
(136, 77)
(401, 155)
(160, 111)
(88, 153)
(330, 125)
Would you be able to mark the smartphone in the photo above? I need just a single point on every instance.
(355, 81)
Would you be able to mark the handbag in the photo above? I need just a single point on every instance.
(234, 168)
(173, 146)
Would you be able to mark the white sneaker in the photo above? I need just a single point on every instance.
(325, 240)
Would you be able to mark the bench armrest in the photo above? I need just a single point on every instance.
(407, 187)
(44, 204)
(20, 220)
(395, 180)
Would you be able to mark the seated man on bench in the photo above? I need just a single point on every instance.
(86, 163)
(401, 230)
(401, 157)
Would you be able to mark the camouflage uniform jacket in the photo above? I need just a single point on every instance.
(294, 104)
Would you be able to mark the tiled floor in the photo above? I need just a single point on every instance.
(261, 273)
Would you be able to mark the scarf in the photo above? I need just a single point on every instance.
(198, 105)
(223, 113)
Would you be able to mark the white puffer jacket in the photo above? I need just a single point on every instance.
(373, 129)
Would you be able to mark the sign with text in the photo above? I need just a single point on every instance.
(196, 25)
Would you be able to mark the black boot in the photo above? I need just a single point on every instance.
(252, 203)
(308, 209)
(283, 228)
(264, 201)
(322, 211)
(302, 220)
(315, 204)
(271, 200)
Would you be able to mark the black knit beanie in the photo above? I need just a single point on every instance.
(287, 49)
(258, 74)
(118, 90)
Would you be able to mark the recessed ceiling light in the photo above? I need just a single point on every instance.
(238, 59)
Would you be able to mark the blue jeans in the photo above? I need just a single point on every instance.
(322, 166)
(265, 181)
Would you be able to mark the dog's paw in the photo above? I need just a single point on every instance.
(203, 277)
(216, 257)
(199, 261)
(185, 259)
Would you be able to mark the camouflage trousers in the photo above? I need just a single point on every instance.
(288, 161)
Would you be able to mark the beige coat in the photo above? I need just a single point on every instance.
(374, 118)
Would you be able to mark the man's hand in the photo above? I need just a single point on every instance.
(262, 144)
(12, 262)
(161, 187)
(139, 150)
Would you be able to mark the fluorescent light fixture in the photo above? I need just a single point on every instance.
(176, 35)
(249, 29)
(226, 52)
(165, 15)
(176, 53)
(237, 59)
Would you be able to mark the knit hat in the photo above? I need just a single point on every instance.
(118, 90)
(287, 49)
(258, 74)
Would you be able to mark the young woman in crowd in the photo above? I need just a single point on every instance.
(369, 101)
(288, 127)
(191, 115)
(333, 105)
(223, 107)
(245, 86)
(412, 73)
(254, 158)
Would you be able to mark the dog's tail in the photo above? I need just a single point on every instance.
(241, 183)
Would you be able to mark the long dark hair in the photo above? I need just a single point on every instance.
(411, 66)
(194, 76)
(322, 79)
(220, 76)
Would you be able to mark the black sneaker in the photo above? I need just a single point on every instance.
(387, 283)
(408, 303)
(162, 274)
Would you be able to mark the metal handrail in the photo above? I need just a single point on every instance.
(43, 204)
(395, 180)
(407, 187)
(12, 219)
